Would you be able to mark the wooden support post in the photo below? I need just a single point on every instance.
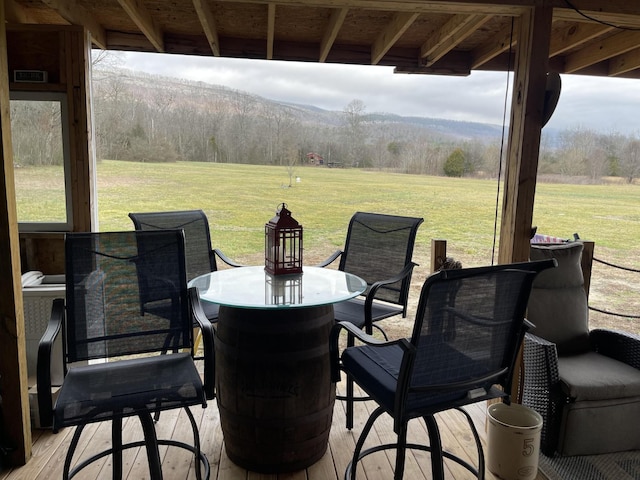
(524, 133)
(525, 127)
(438, 253)
(13, 357)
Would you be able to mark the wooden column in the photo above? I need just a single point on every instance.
(525, 127)
(77, 55)
(13, 359)
(527, 104)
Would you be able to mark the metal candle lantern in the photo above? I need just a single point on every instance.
(283, 244)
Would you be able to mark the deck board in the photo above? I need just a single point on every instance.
(49, 449)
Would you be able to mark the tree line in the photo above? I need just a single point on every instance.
(147, 118)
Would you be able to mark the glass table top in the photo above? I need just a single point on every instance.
(252, 287)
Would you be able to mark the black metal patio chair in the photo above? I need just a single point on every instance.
(131, 364)
(200, 257)
(378, 249)
(468, 329)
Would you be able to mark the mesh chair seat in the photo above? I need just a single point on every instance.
(376, 371)
(97, 392)
(352, 311)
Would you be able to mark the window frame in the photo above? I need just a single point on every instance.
(61, 98)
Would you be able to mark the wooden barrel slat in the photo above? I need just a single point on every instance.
(274, 388)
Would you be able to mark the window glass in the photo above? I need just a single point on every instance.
(40, 155)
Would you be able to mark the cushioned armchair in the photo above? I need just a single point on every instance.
(585, 383)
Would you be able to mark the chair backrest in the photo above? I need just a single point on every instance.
(377, 248)
(468, 329)
(558, 306)
(107, 275)
(199, 255)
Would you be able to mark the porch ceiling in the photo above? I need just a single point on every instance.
(592, 37)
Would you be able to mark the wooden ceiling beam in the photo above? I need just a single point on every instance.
(16, 13)
(143, 19)
(208, 22)
(500, 43)
(603, 50)
(574, 36)
(450, 35)
(77, 15)
(271, 29)
(391, 34)
(335, 24)
(616, 12)
(624, 63)
(468, 7)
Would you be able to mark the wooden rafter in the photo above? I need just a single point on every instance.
(271, 29)
(449, 35)
(625, 62)
(335, 23)
(77, 15)
(143, 19)
(605, 49)
(500, 43)
(208, 22)
(391, 34)
(574, 36)
(16, 13)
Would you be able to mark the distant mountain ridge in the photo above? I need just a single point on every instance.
(185, 91)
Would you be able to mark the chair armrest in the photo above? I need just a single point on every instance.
(371, 294)
(329, 260)
(43, 369)
(617, 344)
(207, 340)
(542, 389)
(226, 259)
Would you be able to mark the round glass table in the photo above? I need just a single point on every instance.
(273, 381)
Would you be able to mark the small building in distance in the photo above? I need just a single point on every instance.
(314, 158)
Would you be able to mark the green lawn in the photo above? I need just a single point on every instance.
(240, 199)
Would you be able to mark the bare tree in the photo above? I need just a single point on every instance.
(353, 115)
(630, 160)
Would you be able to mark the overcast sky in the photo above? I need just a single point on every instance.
(604, 104)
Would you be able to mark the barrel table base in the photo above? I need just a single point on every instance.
(274, 388)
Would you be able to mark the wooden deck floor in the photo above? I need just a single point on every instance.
(49, 449)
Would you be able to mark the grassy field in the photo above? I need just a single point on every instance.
(239, 199)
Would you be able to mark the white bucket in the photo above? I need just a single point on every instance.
(513, 441)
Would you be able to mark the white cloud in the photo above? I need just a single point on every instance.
(604, 104)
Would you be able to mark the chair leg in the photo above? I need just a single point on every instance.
(349, 397)
(116, 447)
(476, 437)
(401, 452)
(350, 473)
(196, 444)
(435, 442)
(71, 450)
(151, 444)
